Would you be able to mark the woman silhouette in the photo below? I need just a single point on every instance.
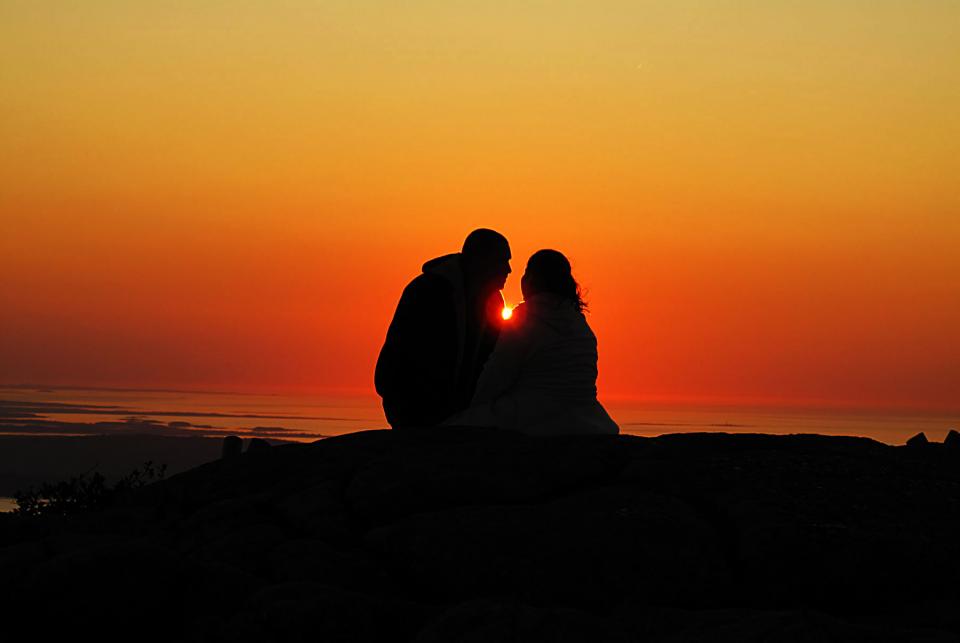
(541, 378)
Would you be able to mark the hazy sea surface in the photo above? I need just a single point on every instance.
(307, 418)
(888, 426)
(74, 411)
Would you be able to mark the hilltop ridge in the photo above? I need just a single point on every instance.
(476, 535)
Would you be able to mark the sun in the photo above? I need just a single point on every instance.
(506, 313)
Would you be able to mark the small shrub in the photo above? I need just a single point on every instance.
(85, 492)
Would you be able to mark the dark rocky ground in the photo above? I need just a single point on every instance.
(27, 460)
(470, 535)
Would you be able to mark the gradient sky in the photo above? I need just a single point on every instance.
(761, 198)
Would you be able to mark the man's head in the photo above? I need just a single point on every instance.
(486, 259)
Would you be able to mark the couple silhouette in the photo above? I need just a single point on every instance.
(451, 359)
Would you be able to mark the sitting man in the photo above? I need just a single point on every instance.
(445, 326)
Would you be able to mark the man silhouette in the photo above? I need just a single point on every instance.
(444, 328)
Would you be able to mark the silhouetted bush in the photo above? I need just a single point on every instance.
(85, 492)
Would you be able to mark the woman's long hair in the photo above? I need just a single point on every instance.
(548, 271)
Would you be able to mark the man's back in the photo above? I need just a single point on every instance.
(415, 372)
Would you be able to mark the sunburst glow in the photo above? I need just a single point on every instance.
(507, 312)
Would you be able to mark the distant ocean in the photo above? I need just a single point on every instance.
(72, 411)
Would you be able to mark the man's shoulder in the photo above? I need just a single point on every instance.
(427, 286)
(427, 292)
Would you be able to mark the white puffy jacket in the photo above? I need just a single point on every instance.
(541, 378)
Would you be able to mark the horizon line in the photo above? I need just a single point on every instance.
(656, 400)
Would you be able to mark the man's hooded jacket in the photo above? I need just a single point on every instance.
(436, 345)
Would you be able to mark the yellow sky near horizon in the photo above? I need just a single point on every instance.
(760, 196)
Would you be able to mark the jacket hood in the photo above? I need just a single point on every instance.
(448, 267)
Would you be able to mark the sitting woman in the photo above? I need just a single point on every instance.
(541, 378)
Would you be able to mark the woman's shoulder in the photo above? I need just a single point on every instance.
(524, 327)
(517, 324)
(520, 310)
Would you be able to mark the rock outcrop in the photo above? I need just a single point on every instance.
(474, 535)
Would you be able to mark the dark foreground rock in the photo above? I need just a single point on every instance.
(471, 535)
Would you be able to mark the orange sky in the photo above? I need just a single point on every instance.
(760, 197)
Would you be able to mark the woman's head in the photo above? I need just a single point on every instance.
(548, 272)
